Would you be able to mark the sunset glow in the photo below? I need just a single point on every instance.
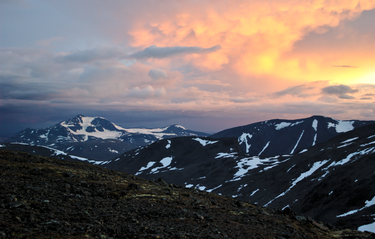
(154, 63)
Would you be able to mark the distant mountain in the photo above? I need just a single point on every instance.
(96, 137)
(331, 181)
(278, 137)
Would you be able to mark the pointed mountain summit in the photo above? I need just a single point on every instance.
(96, 137)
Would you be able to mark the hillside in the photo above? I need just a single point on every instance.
(326, 181)
(44, 197)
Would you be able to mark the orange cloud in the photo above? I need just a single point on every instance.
(255, 36)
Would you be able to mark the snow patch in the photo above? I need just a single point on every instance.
(157, 132)
(166, 165)
(286, 124)
(168, 145)
(342, 126)
(315, 125)
(367, 227)
(149, 165)
(244, 165)
(180, 126)
(205, 142)
(303, 150)
(243, 139)
(113, 151)
(225, 155)
(2, 145)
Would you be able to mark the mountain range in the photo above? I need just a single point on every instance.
(318, 166)
(96, 137)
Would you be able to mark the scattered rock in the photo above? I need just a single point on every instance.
(98, 203)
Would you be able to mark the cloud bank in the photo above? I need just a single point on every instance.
(164, 52)
(209, 66)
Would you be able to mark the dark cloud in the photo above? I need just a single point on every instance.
(90, 55)
(157, 74)
(163, 52)
(341, 91)
(345, 66)
(294, 91)
(242, 100)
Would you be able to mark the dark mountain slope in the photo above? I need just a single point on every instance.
(50, 198)
(310, 181)
(182, 160)
(278, 137)
(48, 152)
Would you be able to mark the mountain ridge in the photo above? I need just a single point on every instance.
(96, 137)
(278, 136)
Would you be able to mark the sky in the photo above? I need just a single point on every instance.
(208, 65)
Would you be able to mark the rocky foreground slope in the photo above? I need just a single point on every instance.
(44, 197)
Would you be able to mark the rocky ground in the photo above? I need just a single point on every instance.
(50, 198)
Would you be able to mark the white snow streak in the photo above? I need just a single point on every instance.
(295, 146)
(304, 175)
(367, 204)
(210, 190)
(205, 142)
(225, 155)
(349, 140)
(364, 145)
(254, 192)
(264, 148)
(314, 139)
